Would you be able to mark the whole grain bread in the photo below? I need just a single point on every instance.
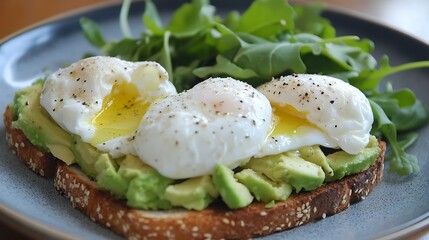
(41, 163)
(215, 222)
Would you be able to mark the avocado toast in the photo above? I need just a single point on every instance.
(213, 223)
(272, 193)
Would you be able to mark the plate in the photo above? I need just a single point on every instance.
(396, 207)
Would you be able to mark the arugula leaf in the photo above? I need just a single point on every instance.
(123, 48)
(308, 20)
(151, 19)
(402, 108)
(371, 78)
(92, 32)
(402, 162)
(224, 67)
(408, 139)
(191, 18)
(271, 59)
(267, 18)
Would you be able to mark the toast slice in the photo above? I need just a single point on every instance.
(215, 222)
(44, 164)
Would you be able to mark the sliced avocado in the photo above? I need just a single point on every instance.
(147, 187)
(195, 193)
(131, 166)
(62, 152)
(295, 171)
(263, 188)
(315, 155)
(345, 164)
(233, 193)
(86, 155)
(108, 177)
(38, 126)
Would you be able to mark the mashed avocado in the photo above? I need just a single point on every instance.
(266, 179)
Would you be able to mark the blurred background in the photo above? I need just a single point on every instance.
(410, 16)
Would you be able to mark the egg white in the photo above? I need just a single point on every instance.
(336, 114)
(74, 95)
(220, 120)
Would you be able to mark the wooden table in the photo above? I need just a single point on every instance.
(411, 16)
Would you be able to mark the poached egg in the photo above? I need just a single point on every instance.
(313, 109)
(103, 99)
(220, 120)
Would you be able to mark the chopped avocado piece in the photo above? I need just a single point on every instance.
(131, 166)
(108, 177)
(85, 155)
(147, 187)
(345, 164)
(62, 152)
(38, 126)
(263, 188)
(195, 193)
(295, 171)
(233, 193)
(373, 142)
(147, 190)
(315, 155)
(271, 204)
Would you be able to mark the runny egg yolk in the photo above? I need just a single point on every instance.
(286, 121)
(121, 113)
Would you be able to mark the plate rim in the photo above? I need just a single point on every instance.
(59, 17)
(29, 226)
(33, 228)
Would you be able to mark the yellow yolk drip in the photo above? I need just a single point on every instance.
(286, 120)
(120, 115)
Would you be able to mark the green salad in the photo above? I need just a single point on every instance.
(271, 38)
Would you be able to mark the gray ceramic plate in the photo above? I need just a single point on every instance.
(396, 207)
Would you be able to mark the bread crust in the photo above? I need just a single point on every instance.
(215, 222)
(42, 163)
